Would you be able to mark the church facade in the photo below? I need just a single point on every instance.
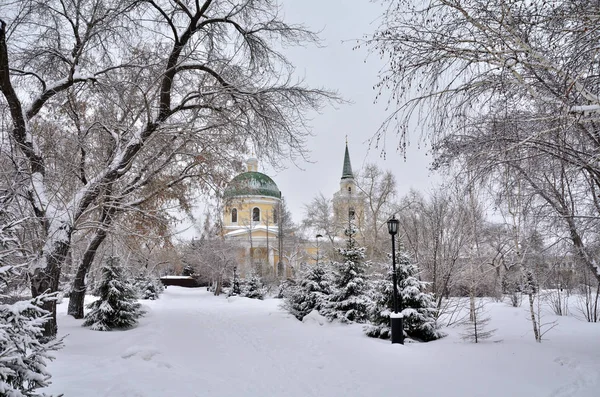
(250, 217)
(252, 203)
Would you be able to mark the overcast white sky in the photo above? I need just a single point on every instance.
(338, 67)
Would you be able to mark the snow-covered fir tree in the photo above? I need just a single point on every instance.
(311, 292)
(382, 291)
(417, 306)
(349, 300)
(148, 287)
(117, 306)
(253, 287)
(23, 354)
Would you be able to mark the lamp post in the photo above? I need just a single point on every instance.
(396, 320)
(318, 236)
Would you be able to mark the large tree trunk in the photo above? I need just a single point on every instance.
(45, 280)
(77, 295)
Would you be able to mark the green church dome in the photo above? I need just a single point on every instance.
(252, 183)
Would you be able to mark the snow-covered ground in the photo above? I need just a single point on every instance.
(191, 343)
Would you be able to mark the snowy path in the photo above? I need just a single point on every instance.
(194, 344)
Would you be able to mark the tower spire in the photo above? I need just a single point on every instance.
(347, 172)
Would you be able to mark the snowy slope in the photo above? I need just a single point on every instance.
(194, 344)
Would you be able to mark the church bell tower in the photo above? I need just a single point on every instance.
(348, 202)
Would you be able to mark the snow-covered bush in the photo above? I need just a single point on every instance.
(417, 306)
(253, 287)
(23, 354)
(349, 300)
(117, 306)
(236, 286)
(311, 291)
(148, 287)
(285, 287)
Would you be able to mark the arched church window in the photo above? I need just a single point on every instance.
(234, 215)
(256, 214)
(275, 215)
(349, 190)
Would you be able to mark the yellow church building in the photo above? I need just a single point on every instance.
(252, 202)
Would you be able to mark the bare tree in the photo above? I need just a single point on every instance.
(496, 83)
(213, 259)
(147, 97)
(318, 216)
(379, 189)
(438, 231)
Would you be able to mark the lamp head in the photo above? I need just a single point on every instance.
(393, 225)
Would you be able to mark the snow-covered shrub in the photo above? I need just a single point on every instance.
(117, 306)
(23, 354)
(349, 300)
(512, 285)
(253, 287)
(148, 287)
(285, 287)
(417, 306)
(311, 291)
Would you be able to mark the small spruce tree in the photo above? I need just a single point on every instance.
(117, 306)
(349, 300)
(23, 354)
(311, 291)
(148, 287)
(416, 305)
(254, 288)
(383, 305)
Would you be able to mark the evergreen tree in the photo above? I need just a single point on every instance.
(383, 306)
(349, 301)
(254, 288)
(23, 353)
(311, 292)
(148, 287)
(188, 270)
(117, 306)
(417, 307)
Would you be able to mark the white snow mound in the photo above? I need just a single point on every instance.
(314, 317)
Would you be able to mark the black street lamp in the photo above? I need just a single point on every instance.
(318, 236)
(396, 320)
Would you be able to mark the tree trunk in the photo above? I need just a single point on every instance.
(78, 290)
(536, 331)
(45, 281)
